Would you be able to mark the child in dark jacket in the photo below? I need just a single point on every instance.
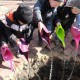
(67, 14)
(75, 5)
(65, 17)
(43, 11)
(17, 26)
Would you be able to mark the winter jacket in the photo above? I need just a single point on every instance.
(41, 8)
(65, 16)
(14, 31)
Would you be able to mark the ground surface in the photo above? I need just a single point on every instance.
(39, 57)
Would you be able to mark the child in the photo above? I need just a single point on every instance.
(18, 26)
(76, 25)
(66, 14)
(43, 11)
(75, 5)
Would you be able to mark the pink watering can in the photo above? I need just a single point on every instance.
(75, 30)
(7, 56)
(45, 35)
(23, 46)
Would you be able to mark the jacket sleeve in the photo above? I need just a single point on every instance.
(11, 24)
(66, 22)
(56, 18)
(37, 10)
(69, 23)
(8, 32)
(59, 10)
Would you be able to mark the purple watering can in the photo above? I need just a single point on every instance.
(23, 46)
(45, 35)
(75, 30)
(7, 56)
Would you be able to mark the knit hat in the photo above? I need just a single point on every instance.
(73, 3)
(23, 13)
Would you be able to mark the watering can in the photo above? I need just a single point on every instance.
(60, 33)
(75, 30)
(23, 47)
(45, 36)
(7, 56)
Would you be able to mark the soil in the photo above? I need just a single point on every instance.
(61, 70)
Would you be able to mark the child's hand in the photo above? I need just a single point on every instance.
(58, 23)
(18, 41)
(40, 26)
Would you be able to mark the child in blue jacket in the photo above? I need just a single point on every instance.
(43, 11)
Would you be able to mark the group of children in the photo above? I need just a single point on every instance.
(19, 24)
(51, 12)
